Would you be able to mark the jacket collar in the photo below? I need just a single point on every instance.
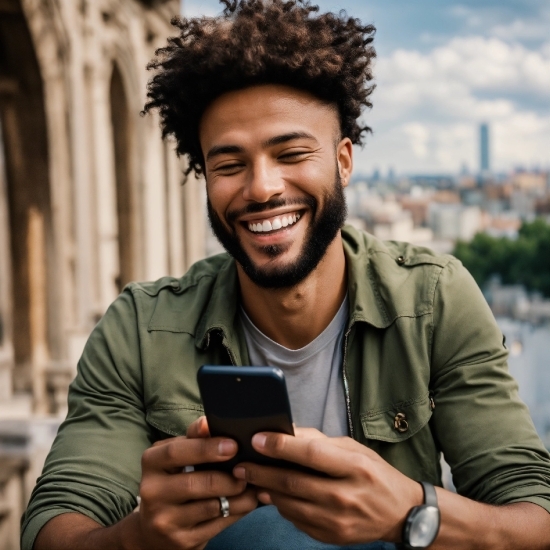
(222, 312)
(366, 304)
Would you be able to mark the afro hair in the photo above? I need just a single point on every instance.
(260, 42)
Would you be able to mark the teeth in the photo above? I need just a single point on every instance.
(277, 223)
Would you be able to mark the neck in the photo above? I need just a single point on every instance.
(293, 317)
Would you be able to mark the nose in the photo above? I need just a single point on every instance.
(263, 183)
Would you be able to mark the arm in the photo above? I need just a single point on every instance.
(365, 499)
(177, 511)
(102, 459)
(499, 464)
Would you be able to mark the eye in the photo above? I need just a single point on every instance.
(293, 155)
(229, 168)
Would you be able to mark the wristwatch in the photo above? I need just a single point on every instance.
(422, 523)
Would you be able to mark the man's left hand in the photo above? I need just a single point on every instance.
(361, 499)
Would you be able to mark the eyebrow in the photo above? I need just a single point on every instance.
(275, 140)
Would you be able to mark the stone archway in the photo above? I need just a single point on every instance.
(25, 148)
(125, 192)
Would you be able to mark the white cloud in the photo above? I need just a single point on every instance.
(484, 64)
(428, 107)
(419, 136)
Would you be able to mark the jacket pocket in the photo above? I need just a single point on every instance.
(173, 420)
(397, 422)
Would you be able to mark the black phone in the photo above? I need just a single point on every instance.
(240, 402)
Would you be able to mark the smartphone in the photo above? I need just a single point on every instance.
(240, 402)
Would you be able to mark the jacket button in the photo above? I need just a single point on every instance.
(175, 285)
(400, 423)
(400, 260)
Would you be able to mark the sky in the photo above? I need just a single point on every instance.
(443, 68)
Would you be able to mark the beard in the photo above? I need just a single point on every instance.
(322, 230)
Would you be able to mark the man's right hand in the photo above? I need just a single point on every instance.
(181, 510)
(178, 510)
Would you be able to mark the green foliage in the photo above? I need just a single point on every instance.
(525, 260)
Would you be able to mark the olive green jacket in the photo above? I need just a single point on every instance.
(420, 343)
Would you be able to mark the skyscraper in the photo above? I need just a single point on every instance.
(484, 147)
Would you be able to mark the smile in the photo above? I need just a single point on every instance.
(273, 224)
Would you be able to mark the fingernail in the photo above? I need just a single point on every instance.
(227, 447)
(239, 472)
(259, 440)
(264, 498)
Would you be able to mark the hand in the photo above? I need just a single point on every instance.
(182, 510)
(363, 499)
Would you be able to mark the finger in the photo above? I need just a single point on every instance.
(317, 521)
(309, 433)
(199, 511)
(317, 453)
(178, 452)
(294, 483)
(349, 444)
(199, 428)
(207, 530)
(194, 524)
(322, 522)
(184, 487)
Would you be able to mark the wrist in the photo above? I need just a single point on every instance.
(413, 495)
(129, 535)
(423, 521)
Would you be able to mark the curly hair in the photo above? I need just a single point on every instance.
(260, 42)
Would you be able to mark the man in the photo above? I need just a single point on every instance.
(391, 354)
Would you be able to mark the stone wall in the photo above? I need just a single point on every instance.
(90, 199)
(90, 196)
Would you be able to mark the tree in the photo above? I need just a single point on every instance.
(525, 260)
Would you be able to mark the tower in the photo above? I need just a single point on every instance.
(484, 148)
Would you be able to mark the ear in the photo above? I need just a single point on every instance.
(344, 158)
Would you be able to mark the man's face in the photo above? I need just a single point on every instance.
(274, 167)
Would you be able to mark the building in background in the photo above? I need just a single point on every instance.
(90, 199)
(484, 153)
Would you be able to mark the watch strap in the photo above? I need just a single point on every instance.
(430, 496)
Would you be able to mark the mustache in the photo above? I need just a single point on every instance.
(256, 207)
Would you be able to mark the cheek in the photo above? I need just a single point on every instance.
(310, 178)
(220, 194)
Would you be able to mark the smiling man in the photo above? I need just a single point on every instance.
(391, 355)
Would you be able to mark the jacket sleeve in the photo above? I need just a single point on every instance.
(94, 466)
(484, 430)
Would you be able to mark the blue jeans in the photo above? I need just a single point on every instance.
(265, 529)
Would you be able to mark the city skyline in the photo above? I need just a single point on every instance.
(443, 69)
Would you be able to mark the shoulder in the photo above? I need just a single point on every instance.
(168, 298)
(404, 278)
(200, 275)
(366, 247)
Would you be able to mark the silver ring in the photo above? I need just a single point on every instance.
(224, 507)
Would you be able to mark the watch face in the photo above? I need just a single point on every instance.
(423, 525)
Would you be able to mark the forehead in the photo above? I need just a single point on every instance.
(262, 112)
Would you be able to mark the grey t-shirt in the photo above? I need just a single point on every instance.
(316, 391)
(313, 373)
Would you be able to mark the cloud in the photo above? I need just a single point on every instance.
(482, 64)
(428, 106)
(419, 136)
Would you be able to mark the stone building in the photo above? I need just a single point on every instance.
(90, 196)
